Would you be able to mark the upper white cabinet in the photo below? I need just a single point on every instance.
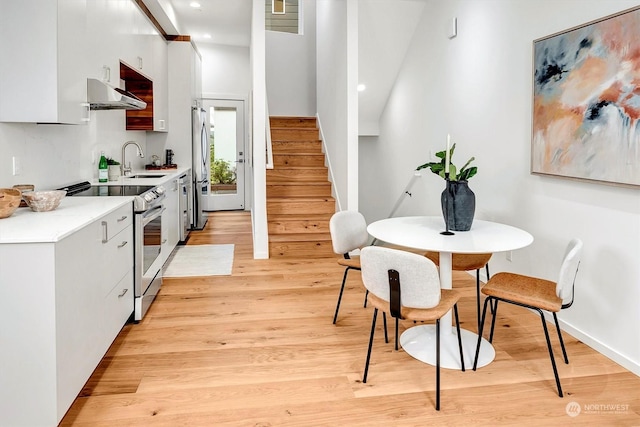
(185, 89)
(43, 75)
(50, 47)
(160, 85)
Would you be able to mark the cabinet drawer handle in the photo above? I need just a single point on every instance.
(164, 241)
(105, 232)
(123, 218)
(86, 111)
(123, 244)
(124, 291)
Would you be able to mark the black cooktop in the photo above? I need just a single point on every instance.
(86, 189)
(114, 190)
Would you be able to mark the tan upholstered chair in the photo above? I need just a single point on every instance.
(348, 232)
(407, 286)
(535, 294)
(467, 262)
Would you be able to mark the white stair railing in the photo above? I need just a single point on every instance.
(267, 129)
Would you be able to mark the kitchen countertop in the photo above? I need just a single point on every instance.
(27, 226)
(165, 175)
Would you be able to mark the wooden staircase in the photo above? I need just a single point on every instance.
(299, 202)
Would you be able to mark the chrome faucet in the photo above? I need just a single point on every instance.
(126, 170)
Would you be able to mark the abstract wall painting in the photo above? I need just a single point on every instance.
(586, 101)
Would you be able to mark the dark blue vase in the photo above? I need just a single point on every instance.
(461, 206)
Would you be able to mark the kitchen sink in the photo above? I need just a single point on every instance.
(145, 176)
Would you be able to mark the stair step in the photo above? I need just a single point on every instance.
(287, 121)
(290, 174)
(297, 189)
(301, 205)
(317, 249)
(293, 224)
(294, 134)
(295, 159)
(311, 146)
(300, 237)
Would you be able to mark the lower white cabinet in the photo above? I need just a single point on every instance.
(63, 305)
(171, 219)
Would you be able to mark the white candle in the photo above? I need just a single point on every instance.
(446, 155)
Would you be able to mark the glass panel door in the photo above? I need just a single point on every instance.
(227, 154)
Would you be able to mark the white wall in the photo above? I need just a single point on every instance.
(477, 87)
(258, 125)
(225, 71)
(337, 62)
(56, 155)
(291, 68)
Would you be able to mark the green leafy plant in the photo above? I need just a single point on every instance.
(111, 161)
(463, 174)
(221, 172)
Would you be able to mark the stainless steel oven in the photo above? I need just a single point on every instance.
(148, 259)
(148, 209)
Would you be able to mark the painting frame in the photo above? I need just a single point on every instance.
(586, 102)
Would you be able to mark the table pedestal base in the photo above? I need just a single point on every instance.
(420, 343)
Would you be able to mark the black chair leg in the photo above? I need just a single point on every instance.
(366, 296)
(478, 296)
(553, 360)
(373, 330)
(564, 352)
(480, 331)
(493, 306)
(437, 364)
(455, 311)
(493, 319)
(344, 280)
(396, 334)
(384, 321)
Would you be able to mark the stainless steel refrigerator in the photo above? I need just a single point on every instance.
(201, 162)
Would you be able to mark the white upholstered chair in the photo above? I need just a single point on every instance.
(407, 286)
(348, 232)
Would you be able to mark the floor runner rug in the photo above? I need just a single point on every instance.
(200, 260)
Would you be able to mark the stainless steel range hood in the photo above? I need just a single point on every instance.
(102, 96)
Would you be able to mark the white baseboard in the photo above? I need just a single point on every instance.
(598, 346)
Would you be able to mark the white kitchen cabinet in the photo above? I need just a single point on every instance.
(122, 33)
(160, 85)
(67, 301)
(185, 88)
(171, 219)
(42, 50)
(152, 88)
(107, 22)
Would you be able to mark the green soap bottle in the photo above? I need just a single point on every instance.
(103, 169)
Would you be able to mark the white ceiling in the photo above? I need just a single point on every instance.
(227, 22)
(386, 30)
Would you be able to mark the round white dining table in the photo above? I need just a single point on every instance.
(424, 233)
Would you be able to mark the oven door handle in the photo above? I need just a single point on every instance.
(154, 213)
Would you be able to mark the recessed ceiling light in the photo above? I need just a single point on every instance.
(361, 87)
(207, 36)
(194, 4)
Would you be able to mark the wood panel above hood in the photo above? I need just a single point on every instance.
(142, 87)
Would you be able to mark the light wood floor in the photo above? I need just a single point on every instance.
(258, 349)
